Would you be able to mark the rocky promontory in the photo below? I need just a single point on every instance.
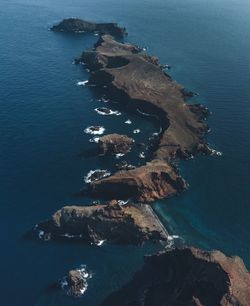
(137, 81)
(186, 277)
(115, 144)
(132, 224)
(75, 25)
(153, 181)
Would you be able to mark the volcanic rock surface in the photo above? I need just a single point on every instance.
(131, 224)
(138, 81)
(155, 180)
(78, 25)
(115, 144)
(186, 277)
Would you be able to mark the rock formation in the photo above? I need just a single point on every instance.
(131, 224)
(186, 277)
(76, 284)
(76, 25)
(156, 180)
(137, 80)
(115, 144)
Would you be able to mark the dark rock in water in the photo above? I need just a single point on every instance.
(123, 165)
(78, 25)
(186, 277)
(188, 93)
(95, 175)
(76, 283)
(155, 180)
(115, 223)
(115, 144)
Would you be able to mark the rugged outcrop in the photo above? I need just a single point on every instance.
(114, 223)
(75, 25)
(115, 144)
(186, 277)
(75, 283)
(155, 180)
(137, 80)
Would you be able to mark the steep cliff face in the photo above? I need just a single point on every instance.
(75, 25)
(132, 224)
(184, 277)
(155, 180)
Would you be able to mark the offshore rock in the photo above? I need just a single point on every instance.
(114, 223)
(76, 25)
(115, 144)
(186, 277)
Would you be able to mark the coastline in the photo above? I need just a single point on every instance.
(167, 151)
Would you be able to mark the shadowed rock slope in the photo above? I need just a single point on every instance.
(186, 277)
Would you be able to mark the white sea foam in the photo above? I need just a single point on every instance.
(122, 202)
(82, 83)
(128, 121)
(136, 131)
(215, 152)
(142, 155)
(94, 139)
(100, 242)
(142, 113)
(118, 155)
(95, 130)
(41, 234)
(106, 111)
(90, 178)
(173, 237)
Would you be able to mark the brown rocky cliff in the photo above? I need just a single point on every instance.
(185, 277)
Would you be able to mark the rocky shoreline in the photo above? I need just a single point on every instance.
(179, 276)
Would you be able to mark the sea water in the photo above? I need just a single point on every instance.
(45, 153)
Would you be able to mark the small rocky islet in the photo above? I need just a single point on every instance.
(177, 276)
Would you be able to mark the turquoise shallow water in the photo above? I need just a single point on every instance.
(43, 114)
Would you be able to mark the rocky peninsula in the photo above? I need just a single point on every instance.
(174, 277)
(137, 81)
(116, 223)
(75, 25)
(186, 277)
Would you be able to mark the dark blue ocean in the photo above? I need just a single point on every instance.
(43, 114)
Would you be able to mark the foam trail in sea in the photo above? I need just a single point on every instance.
(136, 131)
(95, 175)
(82, 83)
(94, 139)
(106, 111)
(95, 130)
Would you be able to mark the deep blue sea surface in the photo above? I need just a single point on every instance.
(43, 115)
